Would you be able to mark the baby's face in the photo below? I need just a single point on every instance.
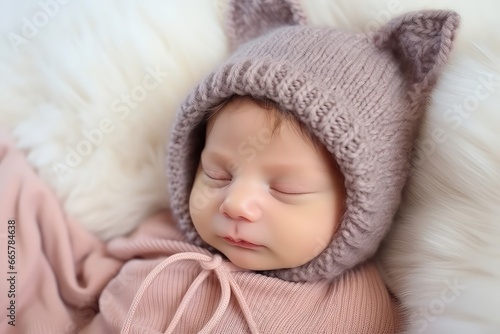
(265, 201)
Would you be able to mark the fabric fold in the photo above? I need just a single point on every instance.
(60, 269)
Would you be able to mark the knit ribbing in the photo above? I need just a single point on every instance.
(356, 303)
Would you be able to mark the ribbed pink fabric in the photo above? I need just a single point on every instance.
(175, 287)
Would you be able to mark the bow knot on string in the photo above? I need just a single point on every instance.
(209, 265)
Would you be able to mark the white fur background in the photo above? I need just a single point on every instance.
(77, 90)
(77, 71)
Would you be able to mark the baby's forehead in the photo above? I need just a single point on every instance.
(235, 104)
(275, 118)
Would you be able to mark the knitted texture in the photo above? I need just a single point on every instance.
(361, 95)
(250, 18)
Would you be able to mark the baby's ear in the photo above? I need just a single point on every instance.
(423, 42)
(247, 19)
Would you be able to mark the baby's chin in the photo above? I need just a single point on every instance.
(250, 264)
(251, 259)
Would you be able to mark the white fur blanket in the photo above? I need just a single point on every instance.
(89, 89)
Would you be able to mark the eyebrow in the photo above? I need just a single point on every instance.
(217, 155)
(292, 167)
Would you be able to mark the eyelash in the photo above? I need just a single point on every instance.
(287, 193)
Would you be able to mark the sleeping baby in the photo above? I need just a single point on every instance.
(286, 167)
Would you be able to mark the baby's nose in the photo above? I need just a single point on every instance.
(242, 202)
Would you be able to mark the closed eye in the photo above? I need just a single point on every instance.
(290, 192)
(220, 178)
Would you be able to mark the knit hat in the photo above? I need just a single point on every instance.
(361, 95)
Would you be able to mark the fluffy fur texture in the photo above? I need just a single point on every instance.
(66, 78)
(442, 256)
(71, 81)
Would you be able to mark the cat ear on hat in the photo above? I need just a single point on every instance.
(422, 41)
(247, 19)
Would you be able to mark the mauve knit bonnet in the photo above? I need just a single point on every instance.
(361, 95)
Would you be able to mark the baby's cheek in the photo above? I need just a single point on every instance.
(196, 202)
(201, 209)
(308, 233)
(201, 197)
